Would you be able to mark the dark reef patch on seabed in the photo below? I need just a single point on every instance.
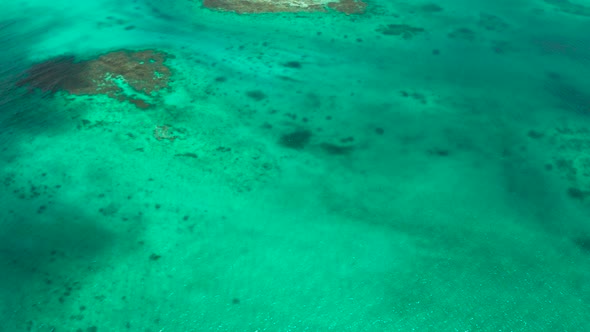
(570, 7)
(583, 242)
(296, 140)
(569, 96)
(403, 30)
(257, 95)
(334, 149)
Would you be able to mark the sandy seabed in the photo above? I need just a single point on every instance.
(301, 166)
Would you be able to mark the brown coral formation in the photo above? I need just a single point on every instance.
(123, 75)
(264, 6)
(286, 6)
(348, 7)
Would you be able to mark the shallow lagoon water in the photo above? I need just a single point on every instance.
(411, 166)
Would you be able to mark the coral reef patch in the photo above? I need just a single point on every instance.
(132, 76)
(348, 7)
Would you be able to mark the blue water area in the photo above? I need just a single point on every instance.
(309, 165)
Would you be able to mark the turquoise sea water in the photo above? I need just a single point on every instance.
(419, 167)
